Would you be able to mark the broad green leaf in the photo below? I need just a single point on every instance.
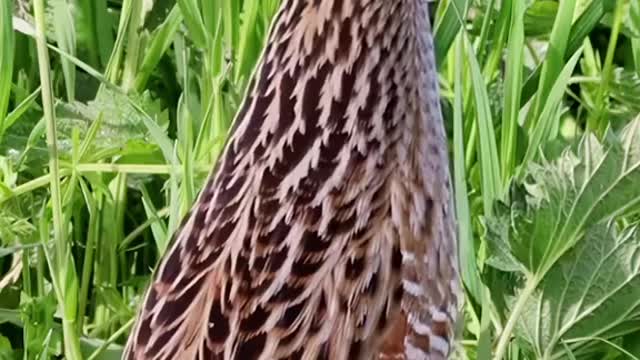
(6, 351)
(592, 291)
(564, 196)
(121, 122)
(632, 19)
(539, 17)
(563, 201)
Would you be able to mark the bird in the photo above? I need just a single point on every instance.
(326, 228)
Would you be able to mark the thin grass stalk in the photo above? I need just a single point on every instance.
(501, 30)
(7, 40)
(484, 32)
(635, 46)
(514, 317)
(92, 239)
(599, 122)
(71, 339)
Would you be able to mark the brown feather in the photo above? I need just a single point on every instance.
(328, 218)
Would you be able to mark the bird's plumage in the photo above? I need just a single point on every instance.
(326, 230)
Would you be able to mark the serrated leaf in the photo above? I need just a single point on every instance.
(497, 241)
(564, 201)
(121, 121)
(592, 291)
(575, 191)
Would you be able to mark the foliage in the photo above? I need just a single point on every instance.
(111, 120)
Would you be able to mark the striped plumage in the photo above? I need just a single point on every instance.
(326, 230)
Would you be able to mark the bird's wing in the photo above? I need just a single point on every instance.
(304, 173)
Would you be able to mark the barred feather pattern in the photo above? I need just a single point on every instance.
(326, 230)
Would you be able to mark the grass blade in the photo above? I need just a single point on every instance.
(513, 85)
(587, 21)
(65, 33)
(554, 61)
(64, 272)
(468, 260)
(448, 27)
(6, 59)
(544, 123)
(193, 20)
(160, 41)
(489, 163)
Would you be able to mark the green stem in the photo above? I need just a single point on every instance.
(600, 123)
(87, 264)
(71, 339)
(99, 168)
(505, 337)
(96, 354)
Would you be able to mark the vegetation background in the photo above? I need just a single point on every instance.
(112, 112)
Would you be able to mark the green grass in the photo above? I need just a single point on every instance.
(113, 112)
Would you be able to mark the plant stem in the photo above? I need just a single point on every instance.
(600, 123)
(112, 339)
(71, 339)
(505, 337)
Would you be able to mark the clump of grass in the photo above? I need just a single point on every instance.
(112, 114)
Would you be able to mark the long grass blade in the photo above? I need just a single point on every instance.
(64, 268)
(65, 33)
(468, 262)
(7, 39)
(554, 60)
(446, 30)
(489, 163)
(546, 119)
(513, 85)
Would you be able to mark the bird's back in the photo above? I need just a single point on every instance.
(326, 231)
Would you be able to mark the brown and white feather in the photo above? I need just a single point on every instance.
(326, 230)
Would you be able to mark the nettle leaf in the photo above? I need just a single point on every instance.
(580, 274)
(122, 122)
(624, 90)
(498, 230)
(580, 188)
(593, 291)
